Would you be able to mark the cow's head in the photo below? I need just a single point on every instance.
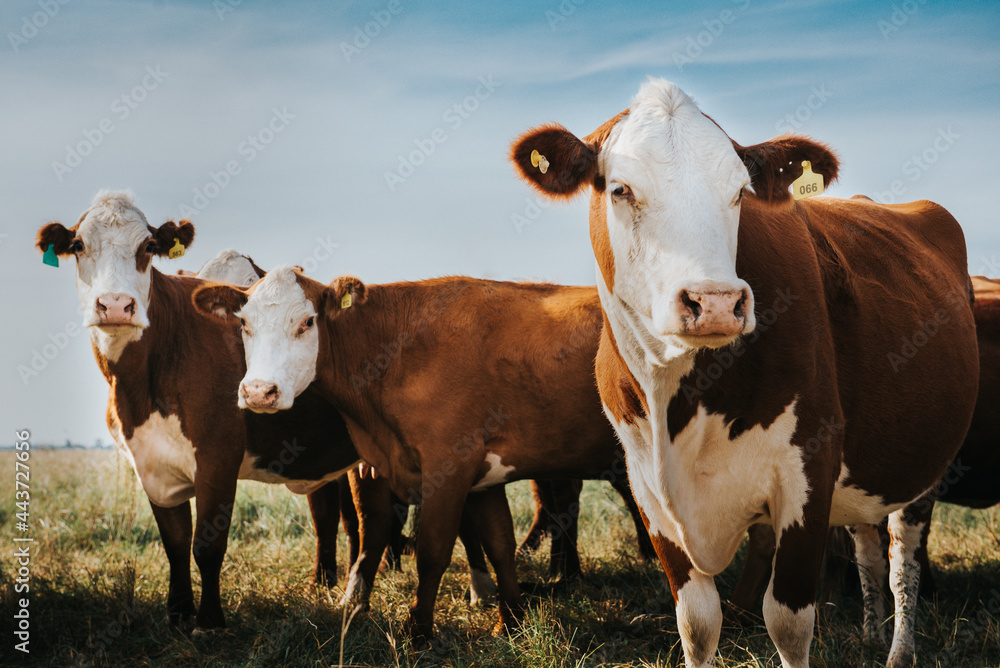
(114, 245)
(230, 266)
(281, 317)
(667, 186)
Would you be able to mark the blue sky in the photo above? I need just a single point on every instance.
(275, 125)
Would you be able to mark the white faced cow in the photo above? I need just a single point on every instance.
(173, 377)
(760, 360)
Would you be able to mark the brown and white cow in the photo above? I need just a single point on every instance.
(450, 388)
(376, 536)
(173, 377)
(761, 361)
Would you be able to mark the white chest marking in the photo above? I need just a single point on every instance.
(163, 459)
(709, 488)
(496, 475)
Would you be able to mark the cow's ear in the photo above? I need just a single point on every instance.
(257, 270)
(219, 300)
(774, 164)
(554, 160)
(343, 293)
(56, 235)
(170, 234)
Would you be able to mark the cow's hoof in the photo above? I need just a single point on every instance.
(202, 632)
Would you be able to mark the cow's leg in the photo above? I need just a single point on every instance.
(324, 506)
(373, 502)
(493, 515)
(541, 490)
(906, 527)
(214, 511)
(927, 587)
(756, 570)
(481, 587)
(696, 600)
(349, 518)
(393, 556)
(646, 551)
(790, 600)
(564, 559)
(175, 533)
(871, 570)
(440, 517)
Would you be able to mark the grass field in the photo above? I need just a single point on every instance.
(99, 582)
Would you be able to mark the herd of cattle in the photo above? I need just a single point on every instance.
(762, 363)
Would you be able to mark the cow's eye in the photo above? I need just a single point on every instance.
(76, 246)
(309, 322)
(621, 190)
(150, 246)
(306, 324)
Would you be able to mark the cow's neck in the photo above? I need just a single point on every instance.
(134, 395)
(360, 350)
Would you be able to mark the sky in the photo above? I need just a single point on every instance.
(371, 138)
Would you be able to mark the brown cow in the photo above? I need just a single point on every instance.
(355, 491)
(448, 386)
(798, 364)
(173, 378)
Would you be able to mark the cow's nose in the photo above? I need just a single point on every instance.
(715, 313)
(116, 309)
(260, 394)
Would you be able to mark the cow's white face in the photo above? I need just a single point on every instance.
(113, 271)
(281, 341)
(673, 188)
(229, 266)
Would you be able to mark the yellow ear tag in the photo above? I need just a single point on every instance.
(176, 250)
(538, 160)
(346, 301)
(809, 184)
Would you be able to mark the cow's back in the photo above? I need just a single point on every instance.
(522, 355)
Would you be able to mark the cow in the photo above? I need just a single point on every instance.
(231, 266)
(381, 522)
(450, 388)
(972, 480)
(798, 363)
(173, 378)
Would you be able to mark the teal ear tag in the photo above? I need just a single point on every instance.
(49, 257)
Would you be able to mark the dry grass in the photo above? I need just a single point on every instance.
(99, 580)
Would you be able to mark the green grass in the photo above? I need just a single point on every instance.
(99, 581)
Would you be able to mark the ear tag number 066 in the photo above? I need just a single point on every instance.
(809, 184)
